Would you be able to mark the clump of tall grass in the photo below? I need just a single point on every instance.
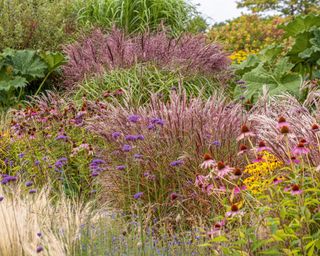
(141, 81)
(99, 53)
(139, 15)
(34, 222)
(155, 151)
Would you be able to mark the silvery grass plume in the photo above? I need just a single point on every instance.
(36, 223)
(299, 117)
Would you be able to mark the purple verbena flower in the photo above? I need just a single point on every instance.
(126, 148)
(121, 167)
(176, 163)
(29, 183)
(133, 118)
(32, 191)
(39, 249)
(116, 135)
(138, 195)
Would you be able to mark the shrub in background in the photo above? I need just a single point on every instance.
(99, 53)
(36, 24)
(141, 15)
(246, 35)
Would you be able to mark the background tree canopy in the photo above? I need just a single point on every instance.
(286, 7)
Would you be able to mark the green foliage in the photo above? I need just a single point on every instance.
(285, 7)
(305, 51)
(281, 68)
(18, 68)
(37, 24)
(141, 81)
(140, 15)
(278, 78)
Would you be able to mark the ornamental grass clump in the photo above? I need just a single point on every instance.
(98, 53)
(34, 223)
(161, 163)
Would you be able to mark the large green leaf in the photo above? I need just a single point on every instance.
(27, 64)
(16, 82)
(277, 79)
(301, 24)
(53, 59)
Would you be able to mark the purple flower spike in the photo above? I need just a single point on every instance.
(133, 118)
(7, 178)
(176, 163)
(37, 163)
(138, 195)
(21, 155)
(1, 198)
(39, 234)
(131, 137)
(39, 249)
(29, 183)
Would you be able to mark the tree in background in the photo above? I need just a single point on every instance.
(285, 7)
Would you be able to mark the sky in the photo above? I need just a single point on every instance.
(218, 10)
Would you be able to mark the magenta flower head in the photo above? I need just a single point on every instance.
(200, 181)
(282, 122)
(133, 118)
(217, 227)
(300, 149)
(138, 195)
(237, 190)
(277, 181)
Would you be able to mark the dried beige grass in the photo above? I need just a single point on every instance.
(23, 216)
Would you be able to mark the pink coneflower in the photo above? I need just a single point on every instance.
(294, 160)
(216, 227)
(295, 190)
(222, 169)
(234, 211)
(243, 149)
(300, 149)
(277, 181)
(258, 159)
(284, 130)
(237, 173)
(282, 122)
(237, 190)
(208, 189)
(245, 132)
(262, 147)
(208, 162)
